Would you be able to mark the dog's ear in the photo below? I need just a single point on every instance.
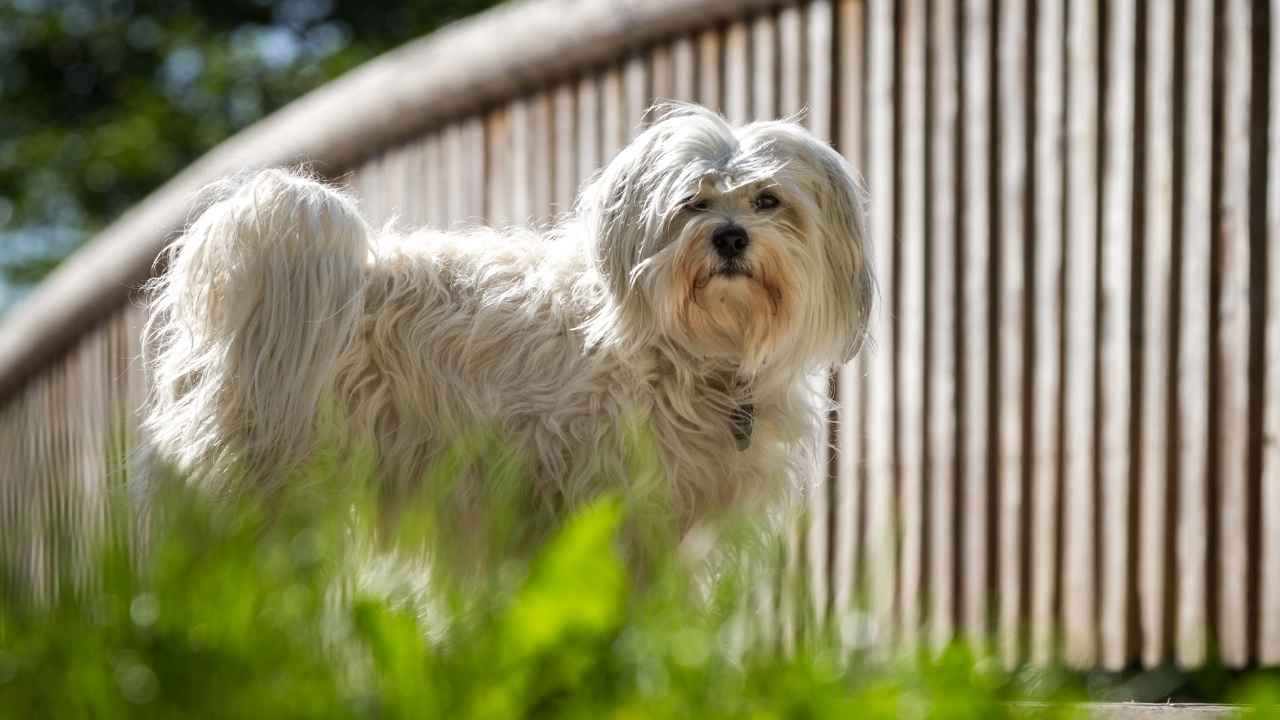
(627, 204)
(627, 207)
(614, 212)
(837, 217)
(842, 221)
(835, 208)
(612, 206)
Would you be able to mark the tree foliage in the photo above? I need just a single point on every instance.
(103, 100)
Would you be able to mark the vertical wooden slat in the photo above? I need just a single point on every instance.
(454, 164)
(1192, 379)
(54, 516)
(25, 497)
(121, 407)
(46, 472)
(1046, 326)
(565, 161)
(819, 30)
(410, 178)
(134, 319)
(1232, 343)
(662, 72)
(910, 319)
(433, 183)
(65, 488)
(114, 378)
(764, 53)
(14, 490)
(541, 177)
(791, 57)
(1157, 263)
(100, 451)
(58, 471)
(636, 95)
(737, 83)
(403, 167)
(30, 521)
(791, 78)
(684, 61)
(359, 183)
(852, 452)
(1011, 313)
(27, 504)
(761, 66)
(588, 142)
(881, 524)
(364, 184)
(710, 79)
(1113, 339)
(613, 115)
(77, 487)
(432, 193)
(941, 408)
(477, 163)
(13, 437)
(422, 193)
(502, 163)
(974, 275)
(393, 186)
(1079, 583)
(520, 204)
(1269, 582)
(55, 471)
(382, 171)
(396, 169)
(62, 491)
(57, 487)
(92, 467)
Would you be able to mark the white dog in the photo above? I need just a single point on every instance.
(705, 278)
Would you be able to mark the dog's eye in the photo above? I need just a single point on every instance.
(695, 204)
(767, 201)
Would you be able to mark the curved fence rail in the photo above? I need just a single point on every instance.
(1066, 439)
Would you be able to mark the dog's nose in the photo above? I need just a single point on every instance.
(730, 241)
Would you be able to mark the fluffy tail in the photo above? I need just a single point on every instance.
(262, 295)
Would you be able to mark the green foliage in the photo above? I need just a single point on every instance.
(279, 606)
(104, 100)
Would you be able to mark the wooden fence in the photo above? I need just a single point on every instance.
(1066, 437)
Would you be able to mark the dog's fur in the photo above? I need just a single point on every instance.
(279, 299)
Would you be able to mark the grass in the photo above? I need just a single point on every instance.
(308, 604)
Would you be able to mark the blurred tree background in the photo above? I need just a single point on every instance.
(101, 101)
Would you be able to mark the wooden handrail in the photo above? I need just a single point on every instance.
(461, 69)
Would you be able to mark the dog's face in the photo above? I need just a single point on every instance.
(744, 244)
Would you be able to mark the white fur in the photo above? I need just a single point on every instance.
(280, 297)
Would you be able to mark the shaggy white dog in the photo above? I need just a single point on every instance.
(705, 278)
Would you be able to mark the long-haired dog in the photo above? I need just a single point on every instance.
(704, 282)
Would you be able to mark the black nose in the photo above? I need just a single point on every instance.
(730, 241)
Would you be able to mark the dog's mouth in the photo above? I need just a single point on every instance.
(726, 271)
(732, 270)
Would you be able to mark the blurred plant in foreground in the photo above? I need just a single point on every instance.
(311, 604)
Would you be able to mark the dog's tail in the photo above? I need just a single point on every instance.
(262, 296)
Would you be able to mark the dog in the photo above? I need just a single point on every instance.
(700, 289)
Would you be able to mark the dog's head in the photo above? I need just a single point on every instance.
(747, 244)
